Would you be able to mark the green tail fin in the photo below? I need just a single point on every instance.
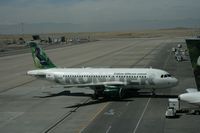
(41, 60)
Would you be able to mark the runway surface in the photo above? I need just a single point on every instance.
(30, 105)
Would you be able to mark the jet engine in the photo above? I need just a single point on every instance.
(114, 92)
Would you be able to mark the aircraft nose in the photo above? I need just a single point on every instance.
(180, 97)
(184, 97)
(175, 81)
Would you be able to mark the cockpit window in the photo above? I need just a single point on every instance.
(165, 75)
(168, 75)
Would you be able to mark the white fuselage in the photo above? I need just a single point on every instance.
(192, 98)
(127, 77)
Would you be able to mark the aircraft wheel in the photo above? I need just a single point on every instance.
(121, 93)
(95, 97)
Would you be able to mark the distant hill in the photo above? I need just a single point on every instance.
(122, 26)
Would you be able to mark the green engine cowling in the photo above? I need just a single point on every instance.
(114, 92)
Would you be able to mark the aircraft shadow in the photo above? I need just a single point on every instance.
(103, 100)
(126, 97)
(64, 93)
(128, 94)
(148, 95)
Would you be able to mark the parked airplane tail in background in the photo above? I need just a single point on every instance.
(41, 60)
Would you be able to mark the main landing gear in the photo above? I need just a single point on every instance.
(97, 94)
(153, 92)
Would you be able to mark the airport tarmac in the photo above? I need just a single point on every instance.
(29, 105)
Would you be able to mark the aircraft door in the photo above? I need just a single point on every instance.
(151, 80)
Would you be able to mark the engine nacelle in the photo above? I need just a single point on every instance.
(114, 92)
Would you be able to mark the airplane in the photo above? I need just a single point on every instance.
(192, 96)
(106, 82)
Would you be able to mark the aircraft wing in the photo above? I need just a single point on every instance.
(191, 90)
(98, 84)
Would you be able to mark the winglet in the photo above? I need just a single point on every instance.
(41, 60)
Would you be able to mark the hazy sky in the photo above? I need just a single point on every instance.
(100, 11)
